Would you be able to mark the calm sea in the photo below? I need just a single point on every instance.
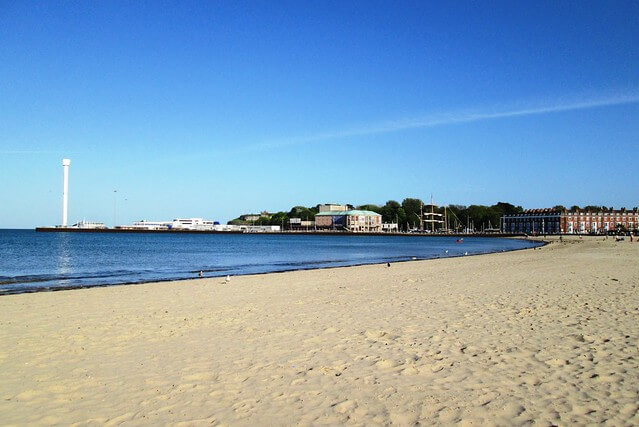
(31, 261)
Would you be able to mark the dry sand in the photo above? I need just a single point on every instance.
(548, 335)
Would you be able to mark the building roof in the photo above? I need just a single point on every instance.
(542, 210)
(349, 212)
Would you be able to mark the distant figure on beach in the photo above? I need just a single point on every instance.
(200, 273)
(228, 278)
(388, 264)
(561, 239)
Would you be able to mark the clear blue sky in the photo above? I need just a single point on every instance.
(213, 109)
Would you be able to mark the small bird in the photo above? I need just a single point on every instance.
(201, 274)
(446, 250)
(228, 278)
(465, 253)
(388, 264)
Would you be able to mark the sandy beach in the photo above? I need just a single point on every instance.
(548, 335)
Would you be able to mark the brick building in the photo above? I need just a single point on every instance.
(550, 221)
(599, 222)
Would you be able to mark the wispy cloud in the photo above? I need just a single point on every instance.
(451, 118)
(24, 152)
(30, 152)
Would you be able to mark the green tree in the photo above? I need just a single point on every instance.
(457, 217)
(369, 207)
(392, 212)
(307, 214)
(500, 209)
(262, 221)
(280, 218)
(412, 209)
(479, 216)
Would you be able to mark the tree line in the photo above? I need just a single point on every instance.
(407, 215)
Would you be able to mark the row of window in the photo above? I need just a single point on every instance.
(606, 216)
(595, 222)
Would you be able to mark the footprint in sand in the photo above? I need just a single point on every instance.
(379, 335)
(512, 410)
(485, 399)
(410, 370)
(345, 406)
(375, 335)
(556, 363)
(387, 363)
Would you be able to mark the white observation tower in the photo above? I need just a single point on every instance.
(65, 189)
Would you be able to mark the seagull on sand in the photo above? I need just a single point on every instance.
(228, 278)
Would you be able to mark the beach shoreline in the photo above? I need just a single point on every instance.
(194, 273)
(546, 335)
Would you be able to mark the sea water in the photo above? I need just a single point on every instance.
(32, 261)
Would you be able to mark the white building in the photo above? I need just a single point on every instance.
(178, 224)
(333, 207)
(149, 225)
(389, 227)
(89, 225)
(199, 224)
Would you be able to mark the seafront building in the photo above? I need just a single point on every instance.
(198, 224)
(552, 221)
(176, 224)
(298, 224)
(88, 225)
(349, 220)
(531, 221)
(599, 222)
(333, 207)
(390, 227)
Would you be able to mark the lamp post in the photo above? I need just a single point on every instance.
(65, 190)
(115, 198)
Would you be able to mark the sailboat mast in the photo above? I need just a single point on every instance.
(432, 217)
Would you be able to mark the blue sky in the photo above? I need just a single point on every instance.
(213, 109)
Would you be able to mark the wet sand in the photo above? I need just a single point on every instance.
(548, 335)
